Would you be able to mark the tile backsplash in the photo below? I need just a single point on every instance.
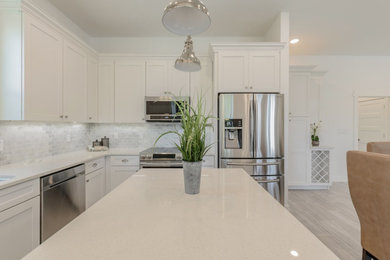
(27, 141)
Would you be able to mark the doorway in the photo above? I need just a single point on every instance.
(373, 120)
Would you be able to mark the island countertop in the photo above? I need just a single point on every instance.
(150, 217)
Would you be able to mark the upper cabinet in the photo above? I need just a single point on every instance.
(43, 62)
(129, 91)
(202, 86)
(252, 68)
(163, 79)
(106, 91)
(60, 75)
(75, 83)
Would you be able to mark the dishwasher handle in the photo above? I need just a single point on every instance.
(61, 182)
(55, 179)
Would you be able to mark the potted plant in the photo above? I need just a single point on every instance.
(315, 127)
(192, 142)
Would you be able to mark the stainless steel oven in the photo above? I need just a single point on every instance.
(163, 109)
(159, 157)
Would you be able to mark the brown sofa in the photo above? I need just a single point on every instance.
(379, 147)
(369, 185)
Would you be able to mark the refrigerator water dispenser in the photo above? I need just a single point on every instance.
(233, 134)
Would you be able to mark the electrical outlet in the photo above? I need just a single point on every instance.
(68, 138)
(116, 136)
(1, 145)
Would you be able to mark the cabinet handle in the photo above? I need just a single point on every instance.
(246, 87)
(251, 87)
(90, 117)
(66, 116)
(61, 116)
(125, 160)
(87, 180)
(94, 165)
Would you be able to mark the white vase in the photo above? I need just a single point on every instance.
(192, 173)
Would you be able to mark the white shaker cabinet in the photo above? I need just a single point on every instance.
(19, 219)
(156, 78)
(43, 54)
(247, 67)
(129, 91)
(163, 79)
(121, 168)
(95, 186)
(299, 94)
(233, 71)
(92, 91)
(75, 83)
(19, 229)
(264, 71)
(106, 92)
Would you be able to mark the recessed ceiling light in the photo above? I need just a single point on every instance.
(294, 253)
(294, 41)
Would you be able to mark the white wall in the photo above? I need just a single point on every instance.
(162, 45)
(346, 74)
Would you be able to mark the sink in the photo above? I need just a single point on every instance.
(6, 177)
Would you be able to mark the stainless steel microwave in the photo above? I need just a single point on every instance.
(163, 109)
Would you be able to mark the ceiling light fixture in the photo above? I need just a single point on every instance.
(294, 41)
(186, 17)
(188, 62)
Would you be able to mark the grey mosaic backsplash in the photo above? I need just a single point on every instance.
(27, 141)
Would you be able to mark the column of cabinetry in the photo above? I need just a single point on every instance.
(248, 68)
(59, 80)
(304, 108)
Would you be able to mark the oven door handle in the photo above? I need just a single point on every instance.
(253, 164)
(267, 181)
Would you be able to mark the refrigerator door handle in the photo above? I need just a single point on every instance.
(252, 124)
(253, 164)
(267, 181)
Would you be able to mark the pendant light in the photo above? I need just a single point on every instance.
(186, 17)
(188, 62)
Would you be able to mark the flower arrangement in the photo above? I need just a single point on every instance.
(315, 129)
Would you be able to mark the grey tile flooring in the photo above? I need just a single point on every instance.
(330, 215)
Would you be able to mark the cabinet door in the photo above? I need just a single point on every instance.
(299, 91)
(43, 71)
(121, 173)
(95, 186)
(202, 86)
(264, 71)
(178, 81)
(106, 92)
(299, 139)
(92, 100)
(233, 72)
(19, 229)
(75, 83)
(129, 91)
(156, 78)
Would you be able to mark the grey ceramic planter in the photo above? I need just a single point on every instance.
(192, 172)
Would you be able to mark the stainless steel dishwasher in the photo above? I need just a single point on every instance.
(62, 199)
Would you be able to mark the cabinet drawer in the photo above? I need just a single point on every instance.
(13, 195)
(124, 160)
(208, 162)
(94, 165)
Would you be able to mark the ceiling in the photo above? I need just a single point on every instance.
(325, 27)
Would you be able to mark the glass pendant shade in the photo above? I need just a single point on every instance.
(188, 62)
(186, 17)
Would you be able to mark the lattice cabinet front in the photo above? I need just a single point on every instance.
(320, 166)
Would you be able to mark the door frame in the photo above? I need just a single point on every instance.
(356, 95)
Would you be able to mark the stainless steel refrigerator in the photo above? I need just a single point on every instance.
(251, 137)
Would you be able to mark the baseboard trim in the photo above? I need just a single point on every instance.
(309, 187)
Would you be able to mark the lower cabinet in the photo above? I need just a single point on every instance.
(19, 229)
(95, 185)
(121, 168)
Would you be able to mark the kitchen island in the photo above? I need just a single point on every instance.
(150, 217)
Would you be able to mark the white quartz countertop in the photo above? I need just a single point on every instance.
(30, 170)
(150, 217)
